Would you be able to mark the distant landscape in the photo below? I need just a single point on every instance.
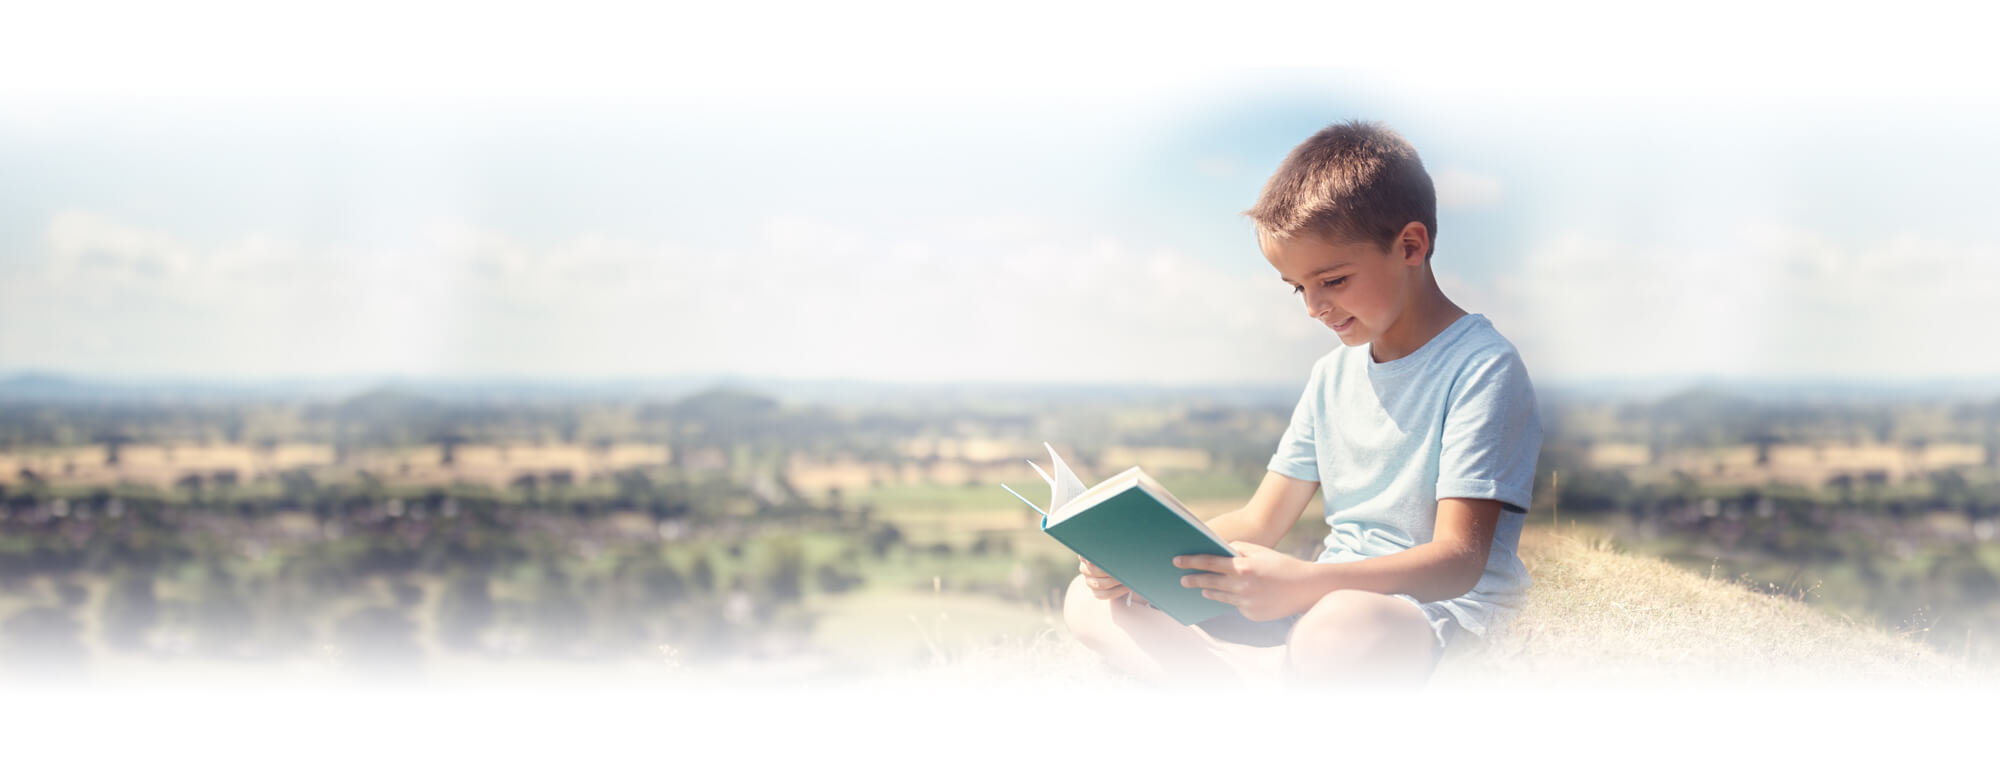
(414, 527)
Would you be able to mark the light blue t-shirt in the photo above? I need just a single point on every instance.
(1454, 419)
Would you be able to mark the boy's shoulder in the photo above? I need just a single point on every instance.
(1480, 343)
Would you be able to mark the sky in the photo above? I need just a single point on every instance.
(894, 192)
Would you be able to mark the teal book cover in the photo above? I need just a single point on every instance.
(1132, 528)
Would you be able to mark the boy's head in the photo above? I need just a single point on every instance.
(1351, 182)
(1347, 221)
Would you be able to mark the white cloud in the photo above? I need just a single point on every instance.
(1763, 300)
(84, 247)
(109, 296)
(942, 304)
(980, 297)
(1459, 188)
(1006, 298)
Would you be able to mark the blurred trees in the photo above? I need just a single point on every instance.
(717, 551)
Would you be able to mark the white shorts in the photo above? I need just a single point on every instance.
(1233, 627)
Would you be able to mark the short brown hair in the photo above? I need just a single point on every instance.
(1351, 182)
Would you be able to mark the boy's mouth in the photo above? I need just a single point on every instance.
(1341, 325)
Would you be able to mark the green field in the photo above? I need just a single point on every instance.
(958, 514)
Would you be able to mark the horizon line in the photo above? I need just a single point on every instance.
(379, 379)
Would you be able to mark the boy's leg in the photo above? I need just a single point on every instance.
(1359, 637)
(1150, 645)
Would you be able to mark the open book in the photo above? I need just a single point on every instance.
(1132, 528)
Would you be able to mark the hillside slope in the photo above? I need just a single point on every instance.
(1597, 616)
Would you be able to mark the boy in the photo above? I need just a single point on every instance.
(1420, 432)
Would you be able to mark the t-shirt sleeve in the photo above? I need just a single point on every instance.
(1295, 456)
(1492, 435)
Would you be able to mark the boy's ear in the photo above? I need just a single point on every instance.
(1412, 243)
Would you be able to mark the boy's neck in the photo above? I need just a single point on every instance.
(1429, 313)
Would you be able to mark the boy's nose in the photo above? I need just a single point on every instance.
(1316, 309)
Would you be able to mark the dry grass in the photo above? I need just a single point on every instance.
(1596, 615)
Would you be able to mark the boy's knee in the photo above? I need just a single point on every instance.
(1087, 617)
(1352, 623)
(1081, 609)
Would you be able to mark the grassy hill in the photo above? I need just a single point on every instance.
(1598, 615)
(1595, 616)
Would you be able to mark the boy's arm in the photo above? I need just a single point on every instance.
(1265, 584)
(1271, 512)
(1446, 567)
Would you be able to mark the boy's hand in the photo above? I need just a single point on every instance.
(1263, 584)
(1103, 586)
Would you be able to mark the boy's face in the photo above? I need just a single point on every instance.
(1359, 290)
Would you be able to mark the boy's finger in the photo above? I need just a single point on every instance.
(1209, 562)
(1203, 581)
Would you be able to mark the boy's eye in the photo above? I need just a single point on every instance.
(1333, 283)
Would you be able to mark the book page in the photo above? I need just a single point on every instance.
(1091, 497)
(1064, 486)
